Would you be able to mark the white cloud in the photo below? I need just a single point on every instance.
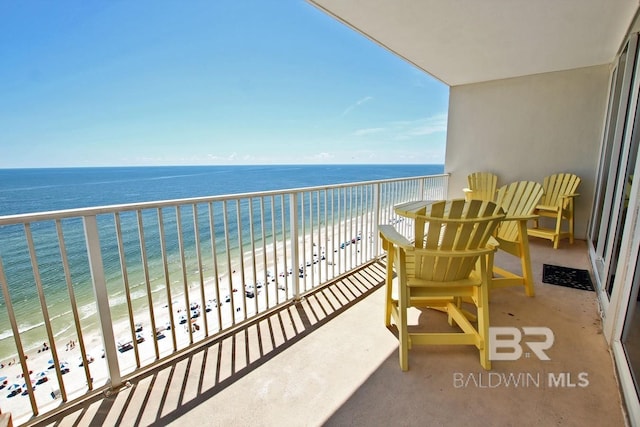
(224, 159)
(324, 155)
(368, 131)
(358, 103)
(421, 127)
(408, 129)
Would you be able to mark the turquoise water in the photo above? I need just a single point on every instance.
(38, 190)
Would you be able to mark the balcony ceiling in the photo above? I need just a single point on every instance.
(469, 41)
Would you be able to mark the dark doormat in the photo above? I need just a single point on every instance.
(568, 277)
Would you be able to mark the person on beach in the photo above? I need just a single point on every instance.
(44, 348)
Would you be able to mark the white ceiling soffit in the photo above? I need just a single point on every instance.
(468, 41)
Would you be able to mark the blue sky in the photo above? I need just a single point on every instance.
(111, 83)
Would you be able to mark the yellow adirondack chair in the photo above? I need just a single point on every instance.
(451, 262)
(518, 200)
(557, 203)
(482, 186)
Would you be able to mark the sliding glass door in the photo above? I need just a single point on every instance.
(630, 339)
(616, 171)
(622, 321)
(614, 232)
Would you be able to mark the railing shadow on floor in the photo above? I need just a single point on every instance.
(169, 390)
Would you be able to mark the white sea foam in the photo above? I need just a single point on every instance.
(62, 331)
(140, 293)
(6, 334)
(87, 310)
(117, 299)
(22, 328)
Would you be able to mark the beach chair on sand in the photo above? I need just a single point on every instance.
(453, 261)
(518, 200)
(482, 186)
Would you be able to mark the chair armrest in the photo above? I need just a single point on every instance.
(493, 244)
(565, 197)
(390, 235)
(568, 198)
(547, 208)
(521, 217)
(490, 247)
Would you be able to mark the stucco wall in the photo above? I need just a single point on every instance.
(529, 127)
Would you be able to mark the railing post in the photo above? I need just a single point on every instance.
(102, 299)
(16, 333)
(445, 186)
(421, 189)
(376, 217)
(293, 220)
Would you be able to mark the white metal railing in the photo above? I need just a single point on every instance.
(124, 287)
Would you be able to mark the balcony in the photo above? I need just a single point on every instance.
(93, 298)
(319, 352)
(329, 360)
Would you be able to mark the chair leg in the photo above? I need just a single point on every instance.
(570, 218)
(525, 260)
(388, 305)
(401, 315)
(483, 323)
(556, 236)
(389, 285)
(403, 334)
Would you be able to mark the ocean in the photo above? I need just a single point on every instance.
(50, 189)
(38, 190)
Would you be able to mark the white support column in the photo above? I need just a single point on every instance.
(102, 299)
(376, 218)
(293, 219)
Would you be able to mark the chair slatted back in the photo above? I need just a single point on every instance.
(483, 185)
(558, 185)
(518, 199)
(456, 234)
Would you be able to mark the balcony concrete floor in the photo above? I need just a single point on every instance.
(329, 360)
